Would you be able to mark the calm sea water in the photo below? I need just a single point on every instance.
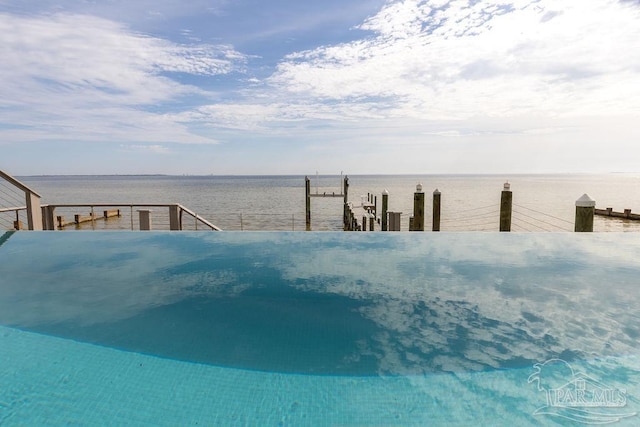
(469, 202)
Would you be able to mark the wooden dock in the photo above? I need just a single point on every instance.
(624, 215)
(79, 219)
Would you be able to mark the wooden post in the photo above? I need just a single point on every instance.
(372, 219)
(17, 225)
(585, 211)
(174, 218)
(307, 189)
(436, 211)
(418, 209)
(506, 201)
(375, 206)
(110, 213)
(394, 221)
(34, 213)
(364, 223)
(48, 218)
(385, 207)
(348, 223)
(145, 219)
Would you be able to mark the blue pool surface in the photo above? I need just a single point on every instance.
(297, 329)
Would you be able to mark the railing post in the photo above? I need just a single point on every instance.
(585, 211)
(505, 208)
(385, 208)
(174, 218)
(145, 219)
(34, 213)
(436, 211)
(48, 217)
(418, 209)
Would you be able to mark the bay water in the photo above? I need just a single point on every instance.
(469, 202)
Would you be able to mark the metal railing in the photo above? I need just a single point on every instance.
(13, 194)
(120, 216)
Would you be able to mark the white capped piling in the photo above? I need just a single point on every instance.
(436, 211)
(145, 219)
(585, 211)
(385, 207)
(418, 209)
(506, 201)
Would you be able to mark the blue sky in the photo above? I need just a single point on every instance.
(290, 87)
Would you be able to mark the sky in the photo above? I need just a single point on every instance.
(293, 87)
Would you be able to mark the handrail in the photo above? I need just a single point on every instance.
(202, 220)
(14, 209)
(17, 183)
(31, 198)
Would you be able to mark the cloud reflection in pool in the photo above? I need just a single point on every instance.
(331, 303)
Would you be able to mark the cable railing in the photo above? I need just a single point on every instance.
(534, 220)
(123, 216)
(277, 221)
(13, 218)
(483, 218)
(19, 205)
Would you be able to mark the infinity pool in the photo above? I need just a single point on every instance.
(306, 329)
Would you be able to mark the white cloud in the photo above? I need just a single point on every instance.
(82, 77)
(460, 81)
(155, 149)
(461, 59)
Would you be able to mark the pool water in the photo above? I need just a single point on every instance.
(271, 328)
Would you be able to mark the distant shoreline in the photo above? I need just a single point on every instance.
(466, 175)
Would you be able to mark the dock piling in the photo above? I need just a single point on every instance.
(418, 209)
(385, 208)
(506, 202)
(585, 211)
(307, 186)
(436, 211)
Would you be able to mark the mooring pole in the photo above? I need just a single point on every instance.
(307, 189)
(348, 223)
(585, 211)
(418, 209)
(385, 207)
(436, 211)
(505, 208)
